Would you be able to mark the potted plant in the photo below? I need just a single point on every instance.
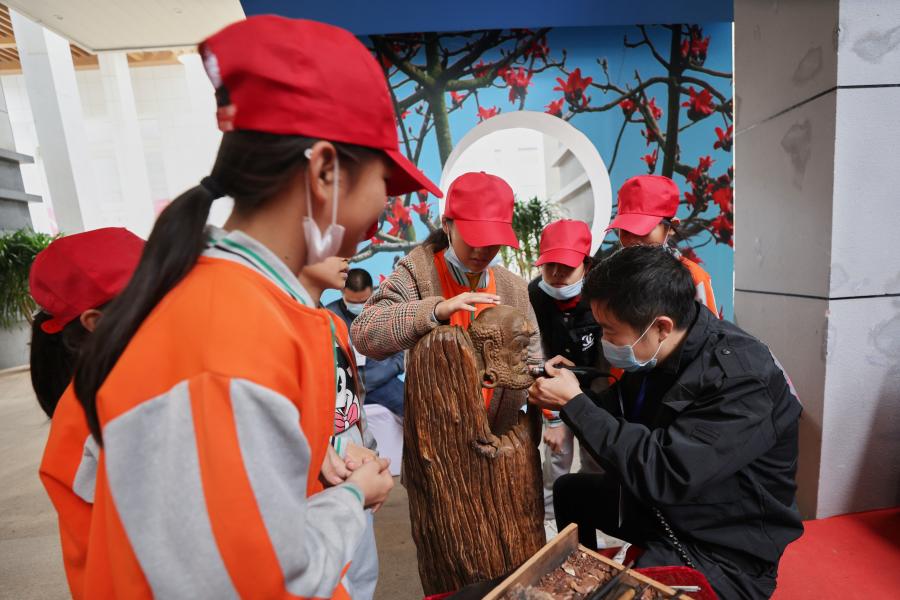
(529, 219)
(17, 251)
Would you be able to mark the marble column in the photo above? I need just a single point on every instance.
(817, 271)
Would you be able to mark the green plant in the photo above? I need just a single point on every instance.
(17, 252)
(529, 219)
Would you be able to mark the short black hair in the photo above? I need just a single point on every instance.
(358, 280)
(640, 283)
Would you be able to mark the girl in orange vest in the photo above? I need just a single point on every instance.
(352, 441)
(210, 383)
(646, 215)
(452, 276)
(72, 280)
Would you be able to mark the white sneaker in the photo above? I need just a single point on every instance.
(550, 529)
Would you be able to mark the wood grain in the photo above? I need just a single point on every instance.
(475, 498)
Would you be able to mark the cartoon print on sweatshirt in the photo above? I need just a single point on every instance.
(347, 406)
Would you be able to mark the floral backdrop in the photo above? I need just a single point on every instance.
(651, 99)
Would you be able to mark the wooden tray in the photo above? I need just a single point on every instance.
(555, 552)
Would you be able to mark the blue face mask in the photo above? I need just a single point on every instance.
(562, 293)
(451, 257)
(622, 357)
(354, 308)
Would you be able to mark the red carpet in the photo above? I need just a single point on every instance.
(850, 557)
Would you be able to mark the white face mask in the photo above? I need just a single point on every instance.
(622, 357)
(566, 292)
(451, 257)
(320, 246)
(354, 308)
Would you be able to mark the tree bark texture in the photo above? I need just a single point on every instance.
(475, 499)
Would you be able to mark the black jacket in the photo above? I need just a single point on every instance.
(573, 334)
(714, 448)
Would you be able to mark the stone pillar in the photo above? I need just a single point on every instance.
(817, 271)
(129, 148)
(14, 212)
(59, 123)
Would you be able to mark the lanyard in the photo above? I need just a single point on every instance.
(261, 265)
(639, 401)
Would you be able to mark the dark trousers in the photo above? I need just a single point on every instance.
(390, 396)
(592, 502)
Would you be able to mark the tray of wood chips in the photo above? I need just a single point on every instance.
(565, 570)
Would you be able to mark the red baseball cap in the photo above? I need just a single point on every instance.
(82, 271)
(299, 77)
(566, 241)
(644, 201)
(481, 205)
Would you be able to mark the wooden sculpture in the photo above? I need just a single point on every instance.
(474, 483)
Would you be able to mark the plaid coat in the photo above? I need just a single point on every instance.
(399, 313)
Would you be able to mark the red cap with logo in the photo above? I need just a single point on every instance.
(481, 206)
(644, 201)
(566, 241)
(82, 271)
(299, 77)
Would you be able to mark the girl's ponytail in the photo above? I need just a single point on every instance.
(174, 246)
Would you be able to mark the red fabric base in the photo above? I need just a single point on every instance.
(855, 556)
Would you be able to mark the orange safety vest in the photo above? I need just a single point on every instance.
(702, 284)
(463, 318)
(178, 396)
(68, 472)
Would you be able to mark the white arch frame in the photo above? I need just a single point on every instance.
(575, 140)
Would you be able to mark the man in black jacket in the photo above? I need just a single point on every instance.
(698, 439)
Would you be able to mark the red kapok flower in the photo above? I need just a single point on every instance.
(699, 48)
(458, 98)
(654, 109)
(538, 48)
(689, 254)
(518, 81)
(695, 47)
(395, 225)
(650, 135)
(555, 107)
(723, 197)
(627, 105)
(723, 229)
(487, 113)
(481, 69)
(700, 104)
(401, 211)
(421, 208)
(574, 87)
(705, 163)
(398, 216)
(650, 159)
(725, 140)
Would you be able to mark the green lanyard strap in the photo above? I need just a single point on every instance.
(262, 265)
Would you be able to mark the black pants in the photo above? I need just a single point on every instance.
(592, 502)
